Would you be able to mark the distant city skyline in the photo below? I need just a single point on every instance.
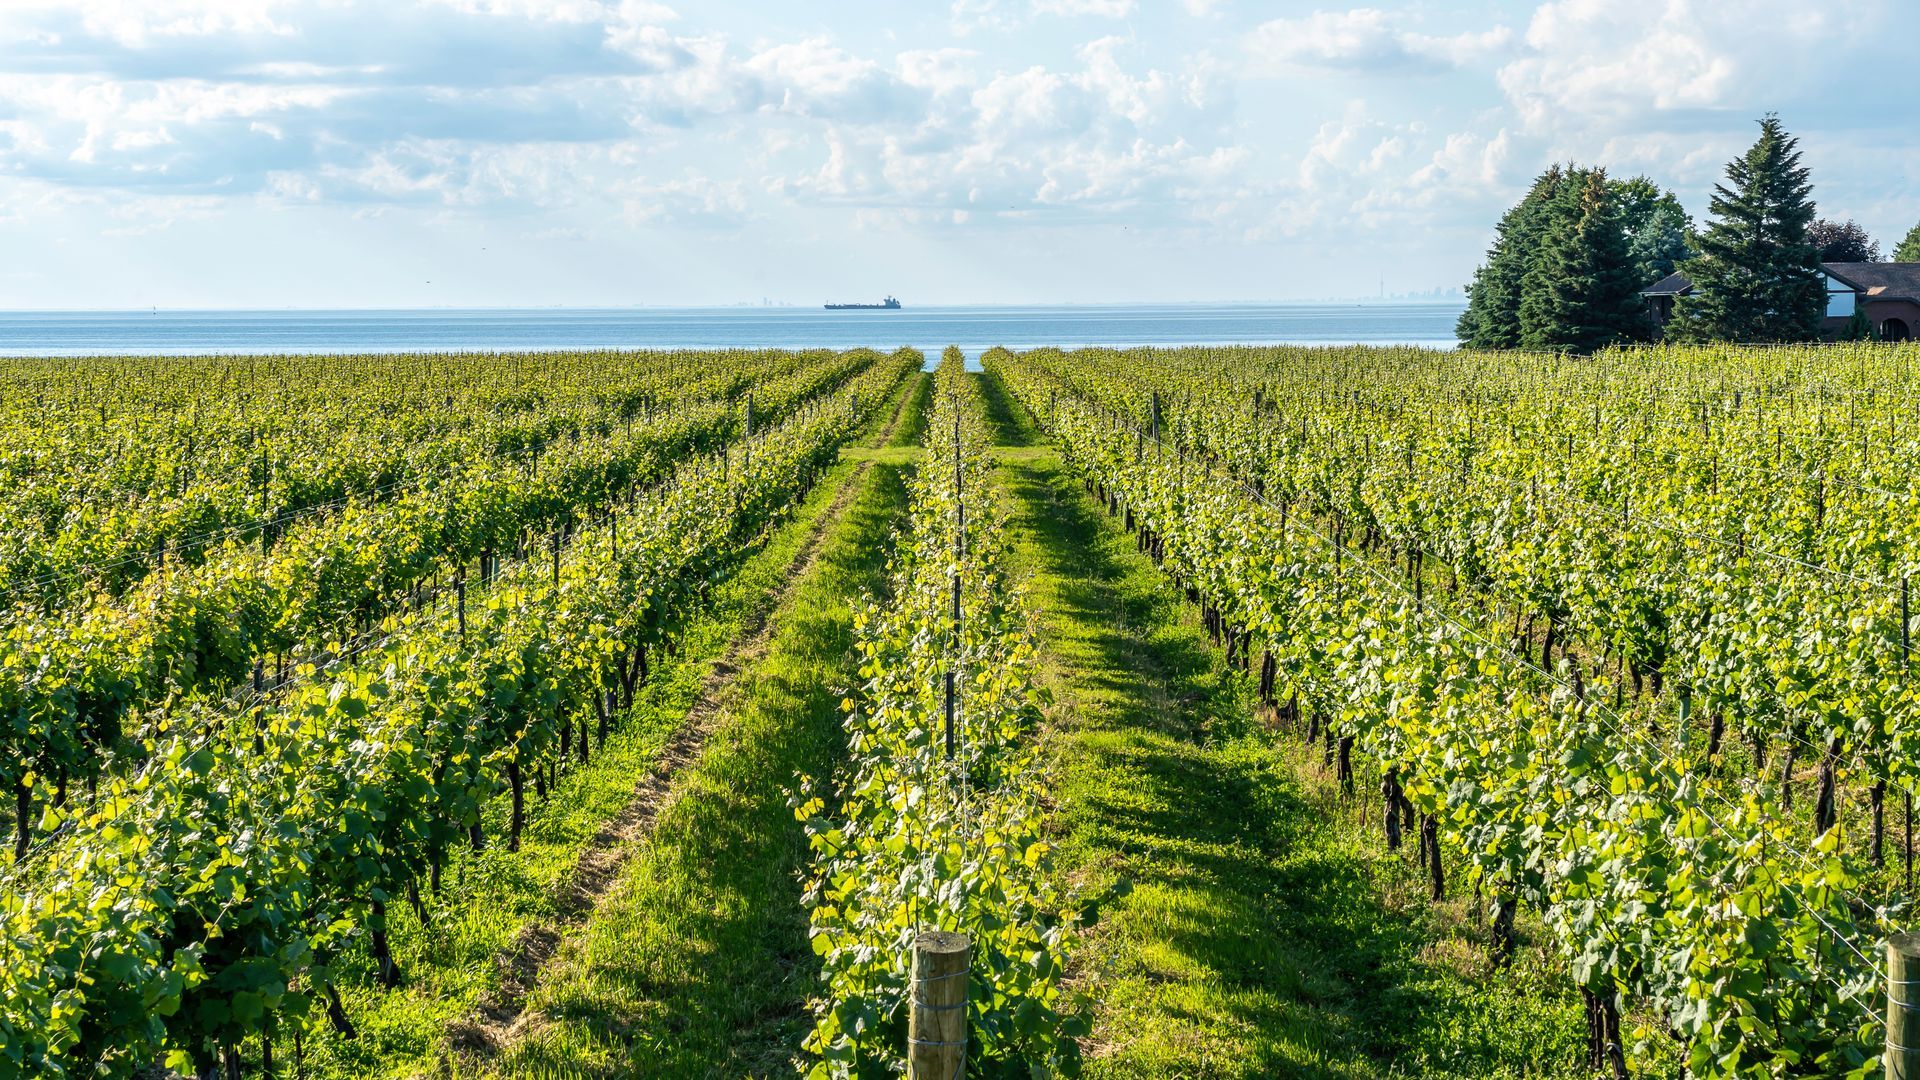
(345, 153)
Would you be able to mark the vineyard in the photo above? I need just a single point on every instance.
(1212, 711)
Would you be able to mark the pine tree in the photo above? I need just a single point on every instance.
(1615, 313)
(1909, 249)
(1859, 327)
(1555, 276)
(1584, 292)
(1757, 277)
(1492, 318)
(1658, 228)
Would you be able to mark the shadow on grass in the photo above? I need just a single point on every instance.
(913, 424)
(1255, 940)
(1007, 418)
(699, 965)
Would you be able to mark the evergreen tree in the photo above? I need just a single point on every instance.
(1909, 249)
(1652, 225)
(1492, 318)
(1859, 327)
(1757, 277)
(1583, 293)
(1658, 229)
(1546, 320)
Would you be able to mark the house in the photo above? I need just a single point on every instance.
(1660, 297)
(1887, 292)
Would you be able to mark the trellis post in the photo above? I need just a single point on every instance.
(937, 1020)
(1903, 1007)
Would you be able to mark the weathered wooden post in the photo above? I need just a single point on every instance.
(1903, 1007)
(937, 1021)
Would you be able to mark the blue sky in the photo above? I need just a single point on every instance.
(328, 153)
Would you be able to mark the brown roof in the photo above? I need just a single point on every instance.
(1873, 280)
(1879, 280)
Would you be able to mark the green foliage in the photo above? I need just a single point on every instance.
(1909, 249)
(80, 667)
(201, 896)
(1569, 260)
(928, 828)
(1659, 231)
(1859, 327)
(1758, 275)
(1492, 318)
(1716, 561)
(1248, 920)
(1582, 292)
(696, 962)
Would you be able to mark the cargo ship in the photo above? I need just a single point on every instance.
(889, 304)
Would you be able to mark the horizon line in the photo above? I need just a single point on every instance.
(1355, 301)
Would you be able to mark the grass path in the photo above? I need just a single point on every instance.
(500, 1019)
(696, 962)
(1264, 933)
(502, 915)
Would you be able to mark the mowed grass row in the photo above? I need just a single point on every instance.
(698, 964)
(455, 960)
(1261, 929)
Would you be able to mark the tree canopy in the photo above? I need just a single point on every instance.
(1909, 249)
(1757, 278)
(1659, 232)
(1842, 241)
(1582, 292)
(1568, 261)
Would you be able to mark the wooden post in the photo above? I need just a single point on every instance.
(937, 1019)
(1903, 1007)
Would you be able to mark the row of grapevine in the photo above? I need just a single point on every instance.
(197, 904)
(1378, 551)
(93, 496)
(1728, 577)
(934, 822)
(74, 678)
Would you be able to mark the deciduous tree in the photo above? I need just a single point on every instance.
(1909, 249)
(1842, 241)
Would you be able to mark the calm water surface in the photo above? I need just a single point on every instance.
(92, 333)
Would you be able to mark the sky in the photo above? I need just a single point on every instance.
(354, 153)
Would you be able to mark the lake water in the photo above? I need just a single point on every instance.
(930, 329)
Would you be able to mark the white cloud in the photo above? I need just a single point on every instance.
(1466, 158)
(626, 111)
(1365, 40)
(969, 16)
(815, 77)
(939, 71)
(138, 22)
(691, 199)
(614, 12)
(1596, 59)
(1112, 9)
